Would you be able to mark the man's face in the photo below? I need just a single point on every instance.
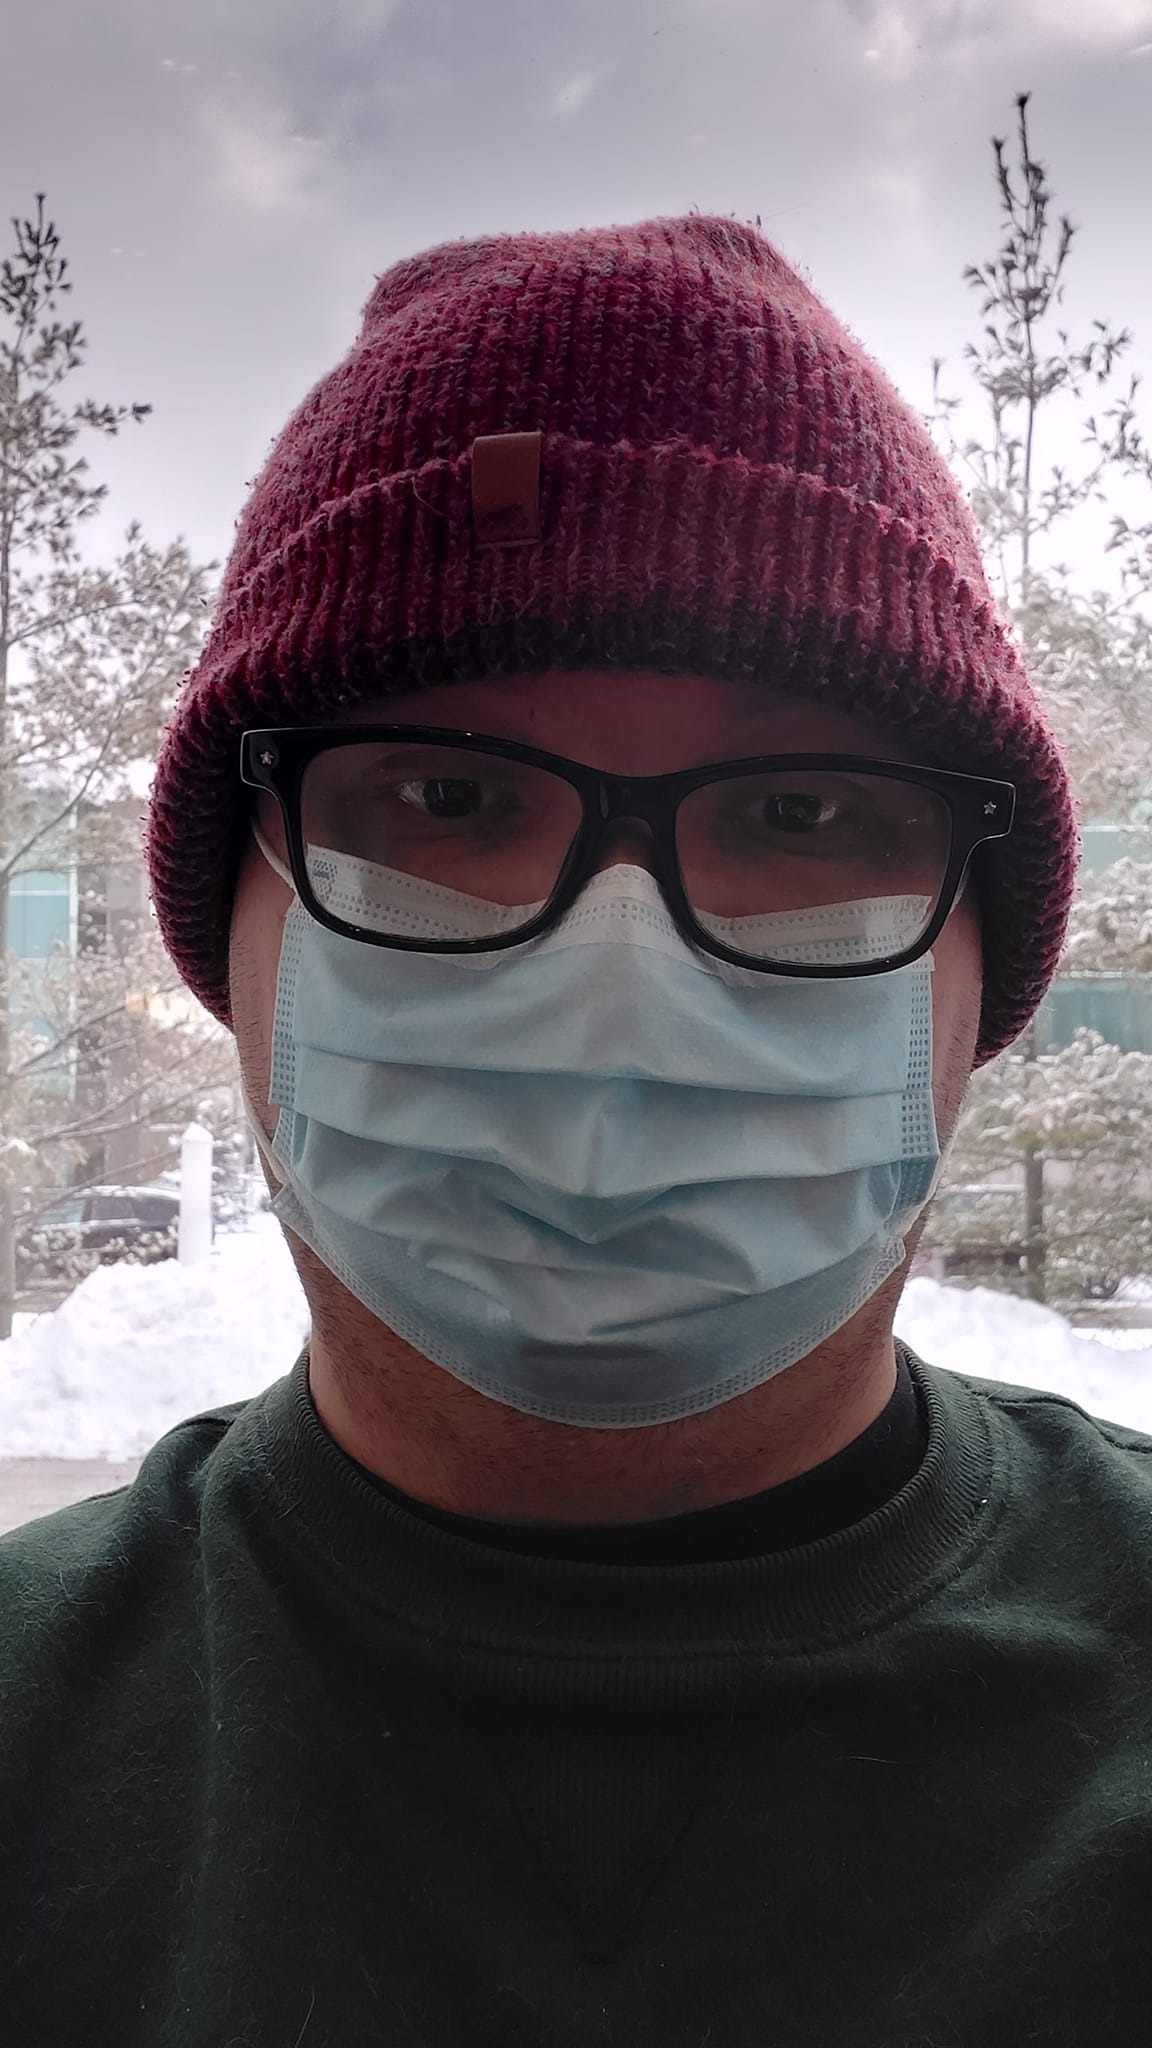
(630, 724)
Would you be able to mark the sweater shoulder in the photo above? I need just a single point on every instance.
(1051, 1419)
(1070, 1480)
(68, 1575)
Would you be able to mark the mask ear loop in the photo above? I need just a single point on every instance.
(271, 856)
(259, 1135)
(260, 1139)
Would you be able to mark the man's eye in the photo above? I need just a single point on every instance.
(798, 811)
(442, 797)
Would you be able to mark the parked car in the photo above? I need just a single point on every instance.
(78, 1232)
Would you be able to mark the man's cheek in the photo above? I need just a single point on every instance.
(260, 906)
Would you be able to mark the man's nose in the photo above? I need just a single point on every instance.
(626, 842)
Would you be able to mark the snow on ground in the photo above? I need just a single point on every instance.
(137, 1348)
(1000, 1337)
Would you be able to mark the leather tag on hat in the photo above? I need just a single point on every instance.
(506, 490)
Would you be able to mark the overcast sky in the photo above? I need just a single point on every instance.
(228, 179)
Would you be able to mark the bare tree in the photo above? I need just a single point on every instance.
(90, 658)
(1090, 653)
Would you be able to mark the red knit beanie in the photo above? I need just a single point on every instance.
(727, 485)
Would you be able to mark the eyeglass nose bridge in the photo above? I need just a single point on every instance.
(623, 801)
(625, 797)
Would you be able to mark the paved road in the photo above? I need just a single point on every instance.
(38, 1486)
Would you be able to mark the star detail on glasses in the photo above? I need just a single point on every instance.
(990, 810)
(268, 760)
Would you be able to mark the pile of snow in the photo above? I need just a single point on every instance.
(1000, 1337)
(137, 1348)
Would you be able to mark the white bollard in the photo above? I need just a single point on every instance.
(195, 1239)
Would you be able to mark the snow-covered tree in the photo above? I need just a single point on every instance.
(91, 654)
(1084, 1110)
(1072, 1126)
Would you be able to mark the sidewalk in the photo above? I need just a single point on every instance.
(38, 1486)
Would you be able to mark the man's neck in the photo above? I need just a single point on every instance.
(440, 1442)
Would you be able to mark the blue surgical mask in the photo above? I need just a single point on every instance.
(601, 1177)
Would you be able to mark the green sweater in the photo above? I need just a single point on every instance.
(284, 1764)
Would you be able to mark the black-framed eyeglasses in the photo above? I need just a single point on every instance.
(436, 841)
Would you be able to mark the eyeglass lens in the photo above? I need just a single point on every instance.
(417, 839)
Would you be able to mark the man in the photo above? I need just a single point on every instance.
(613, 819)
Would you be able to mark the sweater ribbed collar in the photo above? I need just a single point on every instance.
(384, 1569)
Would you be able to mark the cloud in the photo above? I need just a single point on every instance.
(900, 192)
(278, 83)
(901, 36)
(1099, 24)
(893, 39)
(574, 94)
(260, 160)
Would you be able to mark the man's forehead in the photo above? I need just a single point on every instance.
(575, 711)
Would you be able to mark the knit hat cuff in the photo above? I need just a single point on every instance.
(659, 528)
